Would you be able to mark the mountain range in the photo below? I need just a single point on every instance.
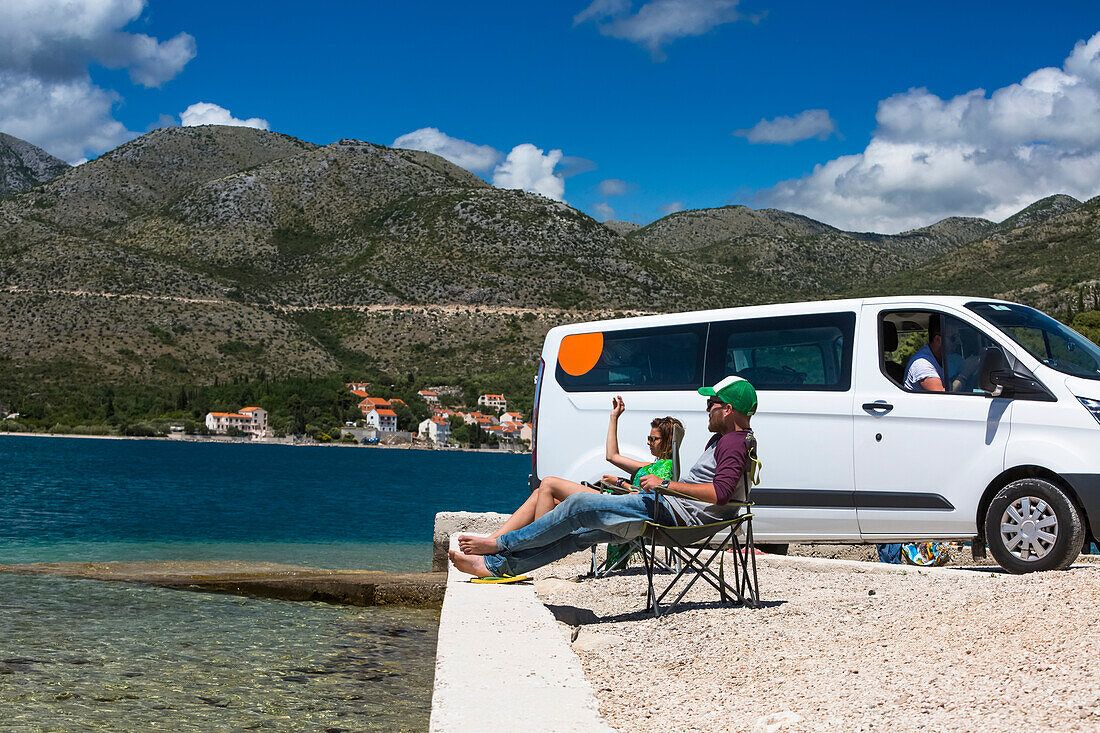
(193, 253)
(23, 165)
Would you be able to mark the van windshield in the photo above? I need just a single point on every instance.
(1056, 345)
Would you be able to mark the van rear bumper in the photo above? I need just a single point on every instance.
(1087, 487)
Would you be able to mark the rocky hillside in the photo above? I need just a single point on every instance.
(783, 255)
(191, 254)
(24, 166)
(1048, 255)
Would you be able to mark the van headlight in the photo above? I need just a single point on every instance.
(1093, 406)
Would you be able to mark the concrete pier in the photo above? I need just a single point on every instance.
(504, 663)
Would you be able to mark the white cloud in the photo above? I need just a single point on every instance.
(658, 22)
(65, 118)
(527, 168)
(56, 39)
(205, 113)
(976, 154)
(671, 208)
(603, 211)
(46, 47)
(613, 187)
(787, 130)
(460, 152)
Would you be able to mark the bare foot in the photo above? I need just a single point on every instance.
(470, 564)
(474, 545)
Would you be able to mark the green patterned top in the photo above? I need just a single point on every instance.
(661, 469)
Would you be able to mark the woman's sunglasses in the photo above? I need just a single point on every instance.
(651, 439)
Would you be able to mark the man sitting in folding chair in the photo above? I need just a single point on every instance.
(586, 519)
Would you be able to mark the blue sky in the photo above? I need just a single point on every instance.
(643, 100)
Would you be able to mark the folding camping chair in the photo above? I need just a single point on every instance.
(620, 560)
(689, 545)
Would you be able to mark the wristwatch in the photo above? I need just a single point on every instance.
(664, 484)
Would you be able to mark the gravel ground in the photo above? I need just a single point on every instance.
(843, 646)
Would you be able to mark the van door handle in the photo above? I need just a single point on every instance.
(879, 407)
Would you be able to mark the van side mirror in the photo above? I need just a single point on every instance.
(993, 371)
(999, 379)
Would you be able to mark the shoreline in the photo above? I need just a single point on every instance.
(272, 441)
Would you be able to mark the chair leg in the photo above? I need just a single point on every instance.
(739, 572)
(649, 557)
(755, 589)
(692, 561)
(722, 576)
(743, 591)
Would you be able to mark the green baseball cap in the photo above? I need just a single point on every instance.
(736, 392)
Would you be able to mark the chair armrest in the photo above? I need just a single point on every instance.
(604, 486)
(673, 492)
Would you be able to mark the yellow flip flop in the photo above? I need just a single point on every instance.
(496, 580)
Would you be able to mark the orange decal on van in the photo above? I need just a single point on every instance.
(579, 352)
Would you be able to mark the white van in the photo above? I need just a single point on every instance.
(1008, 455)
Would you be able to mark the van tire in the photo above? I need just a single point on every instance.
(1042, 500)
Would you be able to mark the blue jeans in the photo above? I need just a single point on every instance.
(581, 521)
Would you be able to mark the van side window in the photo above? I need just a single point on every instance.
(661, 358)
(811, 352)
(904, 338)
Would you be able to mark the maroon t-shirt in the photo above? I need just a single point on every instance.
(731, 456)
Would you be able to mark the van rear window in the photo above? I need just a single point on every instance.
(661, 358)
(812, 352)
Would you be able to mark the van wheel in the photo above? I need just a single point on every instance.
(1032, 525)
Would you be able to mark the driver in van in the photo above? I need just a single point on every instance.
(925, 371)
(585, 519)
(925, 368)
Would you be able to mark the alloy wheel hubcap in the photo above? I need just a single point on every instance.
(1029, 528)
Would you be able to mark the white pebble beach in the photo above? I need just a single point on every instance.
(842, 645)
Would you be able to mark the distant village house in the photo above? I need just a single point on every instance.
(373, 403)
(436, 429)
(492, 401)
(249, 421)
(381, 419)
(430, 396)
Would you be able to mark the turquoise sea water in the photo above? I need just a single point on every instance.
(78, 654)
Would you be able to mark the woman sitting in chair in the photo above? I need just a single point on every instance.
(552, 490)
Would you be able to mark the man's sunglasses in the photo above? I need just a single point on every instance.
(713, 402)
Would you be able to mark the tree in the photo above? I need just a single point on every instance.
(406, 420)
(460, 431)
(297, 414)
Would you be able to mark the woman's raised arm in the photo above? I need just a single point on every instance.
(613, 456)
